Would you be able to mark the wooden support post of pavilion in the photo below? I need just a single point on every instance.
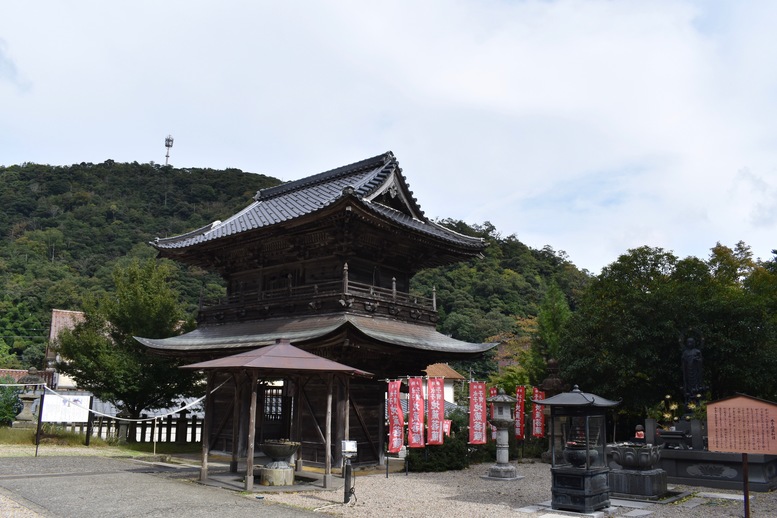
(251, 435)
(235, 423)
(328, 454)
(204, 436)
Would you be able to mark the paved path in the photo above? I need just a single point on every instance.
(84, 487)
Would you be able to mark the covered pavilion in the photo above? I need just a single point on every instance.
(281, 360)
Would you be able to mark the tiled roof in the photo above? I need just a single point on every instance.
(443, 370)
(258, 333)
(363, 181)
(17, 374)
(62, 319)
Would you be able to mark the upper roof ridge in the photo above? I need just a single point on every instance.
(362, 165)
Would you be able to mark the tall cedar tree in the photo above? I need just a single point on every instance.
(102, 355)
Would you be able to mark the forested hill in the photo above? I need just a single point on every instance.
(64, 228)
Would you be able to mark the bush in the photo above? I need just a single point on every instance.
(10, 404)
(454, 453)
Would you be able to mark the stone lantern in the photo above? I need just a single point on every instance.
(580, 476)
(32, 391)
(502, 419)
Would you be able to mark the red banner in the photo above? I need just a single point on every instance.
(538, 417)
(436, 414)
(396, 418)
(520, 409)
(415, 413)
(477, 412)
(446, 427)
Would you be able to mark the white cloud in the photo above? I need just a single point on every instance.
(592, 126)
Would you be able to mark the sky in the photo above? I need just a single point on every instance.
(592, 127)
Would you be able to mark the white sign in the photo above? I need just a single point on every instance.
(65, 409)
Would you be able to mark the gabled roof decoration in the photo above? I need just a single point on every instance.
(376, 184)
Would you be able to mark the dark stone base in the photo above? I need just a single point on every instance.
(719, 470)
(581, 490)
(645, 485)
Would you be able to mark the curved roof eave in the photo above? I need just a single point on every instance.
(242, 335)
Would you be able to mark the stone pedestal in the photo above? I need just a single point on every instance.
(276, 476)
(641, 484)
(26, 419)
(579, 489)
(502, 470)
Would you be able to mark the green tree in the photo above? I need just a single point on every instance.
(102, 355)
(546, 341)
(624, 339)
(8, 360)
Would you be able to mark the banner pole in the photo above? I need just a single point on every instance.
(40, 420)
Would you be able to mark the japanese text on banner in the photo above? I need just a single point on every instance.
(415, 413)
(436, 414)
(477, 412)
(396, 418)
(520, 408)
(538, 417)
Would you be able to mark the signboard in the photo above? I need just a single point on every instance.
(742, 424)
(58, 408)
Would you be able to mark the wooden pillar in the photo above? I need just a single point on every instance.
(205, 435)
(251, 434)
(328, 438)
(237, 378)
(296, 434)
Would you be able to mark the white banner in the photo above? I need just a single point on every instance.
(65, 409)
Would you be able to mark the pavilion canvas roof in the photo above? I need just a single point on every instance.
(282, 357)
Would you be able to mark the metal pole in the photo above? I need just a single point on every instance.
(40, 420)
(347, 486)
(89, 423)
(746, 483)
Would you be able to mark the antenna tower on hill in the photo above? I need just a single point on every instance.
(168, 145)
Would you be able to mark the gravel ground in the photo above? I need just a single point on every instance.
(451, 494)
(465, 494)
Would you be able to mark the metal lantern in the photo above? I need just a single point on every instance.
(580, 475)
